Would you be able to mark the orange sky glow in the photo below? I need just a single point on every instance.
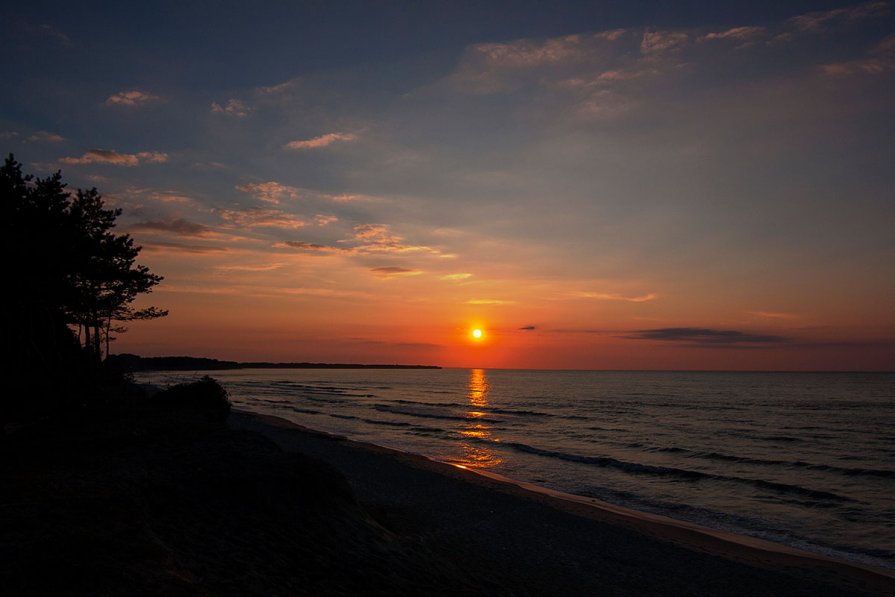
(594, 185)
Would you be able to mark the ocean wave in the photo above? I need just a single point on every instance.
(677, 473)
(459, 406)
(842, 470)
(430, 415)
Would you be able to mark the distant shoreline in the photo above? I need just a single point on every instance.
(132, 363)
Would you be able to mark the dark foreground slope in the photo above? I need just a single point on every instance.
(143, 499)
(140, 501)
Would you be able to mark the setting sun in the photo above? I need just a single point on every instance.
(477, 334)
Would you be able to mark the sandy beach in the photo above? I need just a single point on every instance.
(146, 500)
(535, 542)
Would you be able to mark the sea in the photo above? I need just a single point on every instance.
(802, 459)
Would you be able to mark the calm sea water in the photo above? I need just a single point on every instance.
(804, 459)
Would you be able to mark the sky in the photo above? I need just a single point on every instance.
(595, 185)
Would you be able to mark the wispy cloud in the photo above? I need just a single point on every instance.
(488, 68)
(459, 276)
(879, 60)
(819, 21)
(269, 192)
(261, 267)
(45, 137)
(487, 301)
(772, 315)
(178, 226)
(394, 271)
(262, 218)
(376, 233)
(167, 247)
(379, 238)
(325, 220)
(368, 239)
(707, 337)
(48, 31)
(132, 98)
(169, 197)
(743, 36)
(301, 245)
(233, 107)
(350, 197)
(108, 156)
(608, 296)
(662, 42)
(321, 141)
(532, 53)
(527, 328)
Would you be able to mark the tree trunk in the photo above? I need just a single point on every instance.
(108, 333)
(96, 343)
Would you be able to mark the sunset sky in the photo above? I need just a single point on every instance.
(602, 185)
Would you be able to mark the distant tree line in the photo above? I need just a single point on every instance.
(71, 281)
(132, 363)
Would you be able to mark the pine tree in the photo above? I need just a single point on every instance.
(65, 269)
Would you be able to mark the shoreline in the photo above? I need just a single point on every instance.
(751, 551)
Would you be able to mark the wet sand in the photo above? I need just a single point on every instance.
(521, 540)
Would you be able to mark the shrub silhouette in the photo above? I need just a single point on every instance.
(205, 398)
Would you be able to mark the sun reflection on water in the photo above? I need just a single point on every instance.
(479, 455)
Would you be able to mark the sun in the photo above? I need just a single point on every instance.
(478, 334)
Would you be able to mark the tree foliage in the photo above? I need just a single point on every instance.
(68, 269)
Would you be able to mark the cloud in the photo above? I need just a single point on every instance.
(233, 107)
(321, 141)
(262, 218)
(744, 35)
(378, 238)
(488, 68)
(879, 60)
(605, 296)
(706, 337)
(279, 88)
(494, 302)
(527, 328)
(180, 227)
(394, 271)
(108, 156)
(656, 43)
(4, 135)
(376, 233)
(169, 197)
(131, 99)
(45, 137)
(310, 247)
(528, 53)
(373, 239)
(325, 220)
(819, 21)
(350, 198)
(47, 31)
(163, 247)
(773, 315)
(460, 276)
(269, 192)
(262, 267)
